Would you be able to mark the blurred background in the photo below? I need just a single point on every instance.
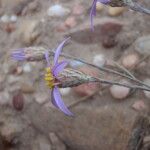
(105, 116)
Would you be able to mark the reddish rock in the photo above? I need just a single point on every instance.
(9, 27)
(87, 89)
(109, 31)
(70, 22)
(139, 105)
(18, 101)
(78, 9)
(61, 28)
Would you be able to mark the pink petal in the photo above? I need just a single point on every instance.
(59, 102)
(59, 67)
(47, 58)
(58, 51)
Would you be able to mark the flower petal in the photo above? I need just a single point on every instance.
(53, 100)
(58, 51)
(59, 102)
(18, 55)
(59, 67)
(47, 58)
(93, 13)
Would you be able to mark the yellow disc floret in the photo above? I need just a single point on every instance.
(49, 78)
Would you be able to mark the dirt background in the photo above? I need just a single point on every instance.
(28, 121)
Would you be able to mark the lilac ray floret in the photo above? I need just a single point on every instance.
(59, 68)
(58, 51)
(59, 102)
(47, 58)
(93, 10)
(18, 55)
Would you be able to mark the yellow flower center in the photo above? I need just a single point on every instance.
(49, 78)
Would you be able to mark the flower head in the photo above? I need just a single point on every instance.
(93, 10)
(52, 79)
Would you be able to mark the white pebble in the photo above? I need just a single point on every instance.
(99, 60)
(5, 18)
(13, 18)
(27, 68)
(65, 91)
(119, 92)
(57, 10)
(147, 93)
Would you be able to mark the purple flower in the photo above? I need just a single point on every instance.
(93, 10)
(52, 79)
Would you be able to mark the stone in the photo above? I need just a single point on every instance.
(27, 68)
(87, 89)
(142, 45)
(119, 92)
(9, 27)
(115, 11)
(109, 32)
(18, 101)
(99, 60)
(61, 28)
(139, 105)
(130, 61)
(13, 18)
(57, 11)
(71, 22)
(5, 18)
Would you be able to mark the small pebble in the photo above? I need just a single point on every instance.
(58, 11)
(130, 60)
(5, 18)
(99, 60)
(27, 68)
(99, 6)
(18, 101)
(115, 11)
(65, 91)
(62, 28)
(109, 31)
(13, 18)
(119, 92)
(71, 22)
(139, 105)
